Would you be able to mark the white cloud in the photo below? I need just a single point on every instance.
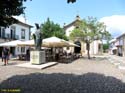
(115, 24)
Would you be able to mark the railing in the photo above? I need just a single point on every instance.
(5, 36)
(8, 36)
(14, 37)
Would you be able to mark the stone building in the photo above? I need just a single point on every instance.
(95, 46)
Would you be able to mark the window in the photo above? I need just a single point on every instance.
(99, 46)
(18, 49)
(121, 41)
(13, 32)
(77, 27)
(0, 31)
(3, 32)
(22, 49)
(22, 33)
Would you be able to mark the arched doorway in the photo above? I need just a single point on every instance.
(77, 49)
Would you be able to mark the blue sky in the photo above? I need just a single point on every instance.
(61, 12)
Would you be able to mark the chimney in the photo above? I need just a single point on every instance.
(25, 17)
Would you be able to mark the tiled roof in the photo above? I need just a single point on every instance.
(121, 36)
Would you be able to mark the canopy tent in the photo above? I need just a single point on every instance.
(27, 43)
(114, 48)
(11, 43)
(70, 44)
(50, 42)
(30, 43)
(55, 42)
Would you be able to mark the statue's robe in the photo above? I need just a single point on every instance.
(38, 39)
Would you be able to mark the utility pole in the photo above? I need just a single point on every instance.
(24, 15)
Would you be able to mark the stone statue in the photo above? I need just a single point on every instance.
(37, 37)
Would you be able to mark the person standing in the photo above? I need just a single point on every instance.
(2, 56)
(5, 53)
(28, 54)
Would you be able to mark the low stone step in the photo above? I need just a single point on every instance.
(121, 67)
(41, 66)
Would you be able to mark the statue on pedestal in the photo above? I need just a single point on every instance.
(37, 38)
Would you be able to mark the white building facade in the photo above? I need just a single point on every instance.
(112, 46)
(117, 46)
(18, 31)
(121, 45)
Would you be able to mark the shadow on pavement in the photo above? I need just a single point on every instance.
(64, 83)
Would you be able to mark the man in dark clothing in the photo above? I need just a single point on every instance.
(5, 53)
(28, 54)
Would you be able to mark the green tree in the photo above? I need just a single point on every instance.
(89, 30)
(107, 37)
(9, 8)
(49, 29)
(105, 47)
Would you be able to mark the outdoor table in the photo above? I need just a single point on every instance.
(65, 59)
(22, 56)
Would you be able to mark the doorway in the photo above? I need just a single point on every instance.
(12, 50)
(77, 49)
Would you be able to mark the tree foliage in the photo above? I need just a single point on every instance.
(9, 8)
(107, 36)
(49, 29)
(105, 47)
(72, 1)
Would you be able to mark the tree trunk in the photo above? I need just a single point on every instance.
(101, 47)
(88, 48)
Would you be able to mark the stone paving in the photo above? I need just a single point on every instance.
(96, 75)
(118, 61)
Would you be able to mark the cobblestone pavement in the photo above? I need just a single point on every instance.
(80, 66)
(82, 75)
(115, 58)
(118, 61)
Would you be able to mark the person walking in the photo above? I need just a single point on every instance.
(5, 53)
(2, 56)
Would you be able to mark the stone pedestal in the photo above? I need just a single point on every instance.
(37, 57)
